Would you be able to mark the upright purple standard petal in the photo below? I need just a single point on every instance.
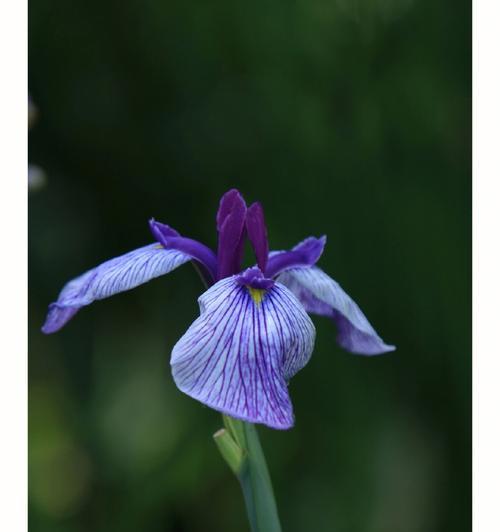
(257, 234)
(114, 276)
(320, 294)
(239, 354)
(231, 227)
(306, 253)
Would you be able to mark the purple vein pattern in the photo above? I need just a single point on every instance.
(113, 276)
(320, 294)
(240, 352)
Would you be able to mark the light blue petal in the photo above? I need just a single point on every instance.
(239, 354)
(116, 275)
(320, 294)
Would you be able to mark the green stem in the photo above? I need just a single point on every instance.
(240, 446)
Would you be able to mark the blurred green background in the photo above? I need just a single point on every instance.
(350, 118)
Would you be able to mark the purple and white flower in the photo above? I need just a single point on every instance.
(254, 332)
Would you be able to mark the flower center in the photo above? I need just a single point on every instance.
(257, 294)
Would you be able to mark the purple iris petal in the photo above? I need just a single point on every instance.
(257, 234)
(239, 353)
(114, 276)
(306, 253)
(254, 278)
(231, 226)
(320, 294)
(162, 231)
(171, 239)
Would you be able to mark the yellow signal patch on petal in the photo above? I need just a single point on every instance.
(257, 294)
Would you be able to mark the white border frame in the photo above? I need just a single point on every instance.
(13, 212)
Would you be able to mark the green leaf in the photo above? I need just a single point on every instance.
(230, 450)
(240, 446)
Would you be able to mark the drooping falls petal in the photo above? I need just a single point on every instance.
(114, 276)
(240, 352)
(320, 294)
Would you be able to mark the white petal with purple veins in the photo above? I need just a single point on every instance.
(320, 294)
(116, 275)
(239, 353)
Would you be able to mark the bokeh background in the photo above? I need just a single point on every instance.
(346, 118)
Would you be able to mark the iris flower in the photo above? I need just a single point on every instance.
(254, 332)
